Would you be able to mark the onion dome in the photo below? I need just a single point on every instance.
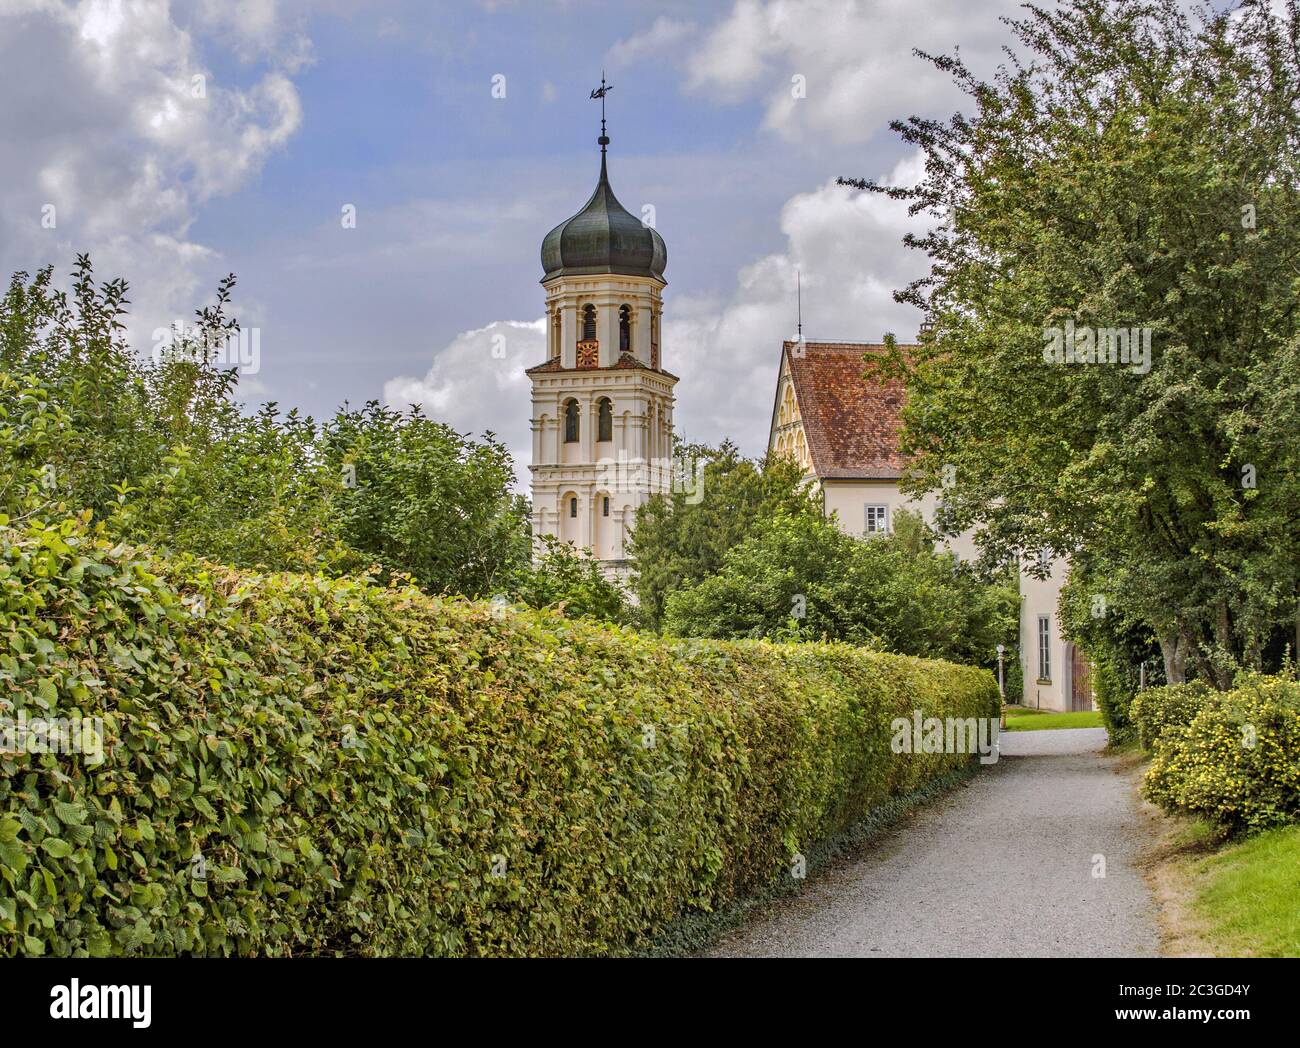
(604, 237)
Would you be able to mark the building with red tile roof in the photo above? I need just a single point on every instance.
(850, 427)
(844, 430)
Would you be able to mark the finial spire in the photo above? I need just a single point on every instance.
(798, 276)
(600, 93)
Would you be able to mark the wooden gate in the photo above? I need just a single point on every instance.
(1080, 681)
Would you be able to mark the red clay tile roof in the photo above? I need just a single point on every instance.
(851, 426)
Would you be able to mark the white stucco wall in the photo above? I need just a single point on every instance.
(849, 498)
(1040, 597)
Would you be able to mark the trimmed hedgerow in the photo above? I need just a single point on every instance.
(1236, 760)
(1154, 710)
(299, 765)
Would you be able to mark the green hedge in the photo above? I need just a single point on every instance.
(1154, 710)
(1236, 760)
(1115, 686)
(298, 765)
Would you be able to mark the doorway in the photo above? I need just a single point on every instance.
(1080, 681)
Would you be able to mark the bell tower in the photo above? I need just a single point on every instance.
(602, 403)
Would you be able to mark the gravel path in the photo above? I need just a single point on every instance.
(1001, 867)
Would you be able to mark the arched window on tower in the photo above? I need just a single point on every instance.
(625, 329)
(570, 421)
(605, 420)
(588, 322)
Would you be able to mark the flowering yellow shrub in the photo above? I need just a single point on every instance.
(1237, 761)
(1154, 710)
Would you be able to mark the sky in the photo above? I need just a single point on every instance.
(380, 175)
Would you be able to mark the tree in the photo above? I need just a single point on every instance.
(570, 581)
(157, 448)
(422, 500)
(1131, 174)
(1118, 643)
(799, 577)
(263, 497)
(682, 538)
(123, 411)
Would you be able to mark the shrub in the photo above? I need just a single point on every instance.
(894, 593)
(569, 580)
(1113, 688)
(427, 502)
(1154, 710)
(303, 765)
(1237, 760)
(1013, 675)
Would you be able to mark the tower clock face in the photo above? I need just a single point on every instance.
(588, 354)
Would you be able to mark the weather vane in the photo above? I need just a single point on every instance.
(600, 93)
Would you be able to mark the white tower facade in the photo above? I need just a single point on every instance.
(602, 404)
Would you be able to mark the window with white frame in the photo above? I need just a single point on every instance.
(1044, 647)
(877, 518)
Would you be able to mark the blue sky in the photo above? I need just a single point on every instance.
(388, 107)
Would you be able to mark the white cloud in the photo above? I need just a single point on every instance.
(847, 248)
(734, 54)
(256, 29)
(126, 132)
(855, 59)
(665, 36)
(477, 383)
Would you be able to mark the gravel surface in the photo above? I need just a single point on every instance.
(1001, 867)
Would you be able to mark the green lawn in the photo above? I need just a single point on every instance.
(1035, 720)
(1246, 893)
